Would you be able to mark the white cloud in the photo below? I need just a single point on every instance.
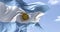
(53, 2)
(58, 18)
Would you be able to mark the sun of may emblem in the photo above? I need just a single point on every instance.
(24, 16)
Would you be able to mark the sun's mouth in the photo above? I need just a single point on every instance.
(24, 16)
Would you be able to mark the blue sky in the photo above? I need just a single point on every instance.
(51, 20)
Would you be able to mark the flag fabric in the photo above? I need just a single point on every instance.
(21, 27)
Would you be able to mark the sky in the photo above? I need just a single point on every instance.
(51, 20)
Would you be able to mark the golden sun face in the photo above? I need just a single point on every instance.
(24, 16)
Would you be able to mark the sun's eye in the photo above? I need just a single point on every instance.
(25, 16)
